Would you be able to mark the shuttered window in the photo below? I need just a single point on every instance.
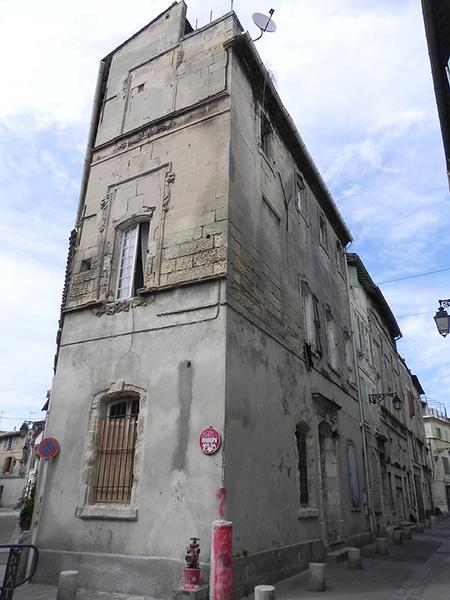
(353, 475)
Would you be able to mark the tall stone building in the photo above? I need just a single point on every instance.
(206, 286)
(398, 464)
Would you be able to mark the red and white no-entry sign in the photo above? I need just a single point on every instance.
(209, 440)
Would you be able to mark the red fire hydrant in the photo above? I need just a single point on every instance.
(192, 570)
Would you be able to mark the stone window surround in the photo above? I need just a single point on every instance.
(85, 508)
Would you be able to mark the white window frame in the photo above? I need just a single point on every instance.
(122, 292)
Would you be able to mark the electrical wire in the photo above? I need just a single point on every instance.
(413, 276)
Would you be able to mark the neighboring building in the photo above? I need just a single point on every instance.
(437, 430)
(398, 465)
(17, 462)
(436, 15)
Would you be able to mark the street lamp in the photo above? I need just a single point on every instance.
(442, 318)
(378, 398)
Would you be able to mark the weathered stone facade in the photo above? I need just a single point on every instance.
(398, 465)
(437, 431)
(240, 319)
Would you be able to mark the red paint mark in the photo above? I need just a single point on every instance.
(221, 495)
(222, 565)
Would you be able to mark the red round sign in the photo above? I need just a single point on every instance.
(209, 440)
(48, 448)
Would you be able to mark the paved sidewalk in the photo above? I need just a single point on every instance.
(417, 570)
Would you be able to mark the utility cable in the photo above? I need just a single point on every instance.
(413, 276)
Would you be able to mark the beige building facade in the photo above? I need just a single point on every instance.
(437, 431)
(398, 462)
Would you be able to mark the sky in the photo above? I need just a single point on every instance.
(356, 78)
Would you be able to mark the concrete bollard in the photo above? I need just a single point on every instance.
(419, 527)
(427, 523)
(407, 535)
(264, 592)
(354, 558)
(381, 545)
(67, 585)
(397, 536)
(317, 577)
(432, 521)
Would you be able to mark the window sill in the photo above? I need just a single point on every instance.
(106, 512)
(307, 513)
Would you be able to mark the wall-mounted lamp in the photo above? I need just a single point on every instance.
(378, 398)
(442, 318)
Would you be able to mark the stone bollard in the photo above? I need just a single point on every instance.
(264, 592)
(317, 577)
(25, 538)
(407, 535)
(354, 558)
(427, 523)
(419, 527)
(432, 521)
(67, 585)
(397, 536)
(381, 545)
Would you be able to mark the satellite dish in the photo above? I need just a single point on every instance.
(264, 23)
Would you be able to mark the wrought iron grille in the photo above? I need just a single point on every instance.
(115, 459)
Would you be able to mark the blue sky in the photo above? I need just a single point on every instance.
(355, 76)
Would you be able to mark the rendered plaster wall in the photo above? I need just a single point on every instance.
(271, 250)
(171, 350)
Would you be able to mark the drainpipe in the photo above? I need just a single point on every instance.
(361, 416)
(95, 114)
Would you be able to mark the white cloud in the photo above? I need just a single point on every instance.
(355, 76)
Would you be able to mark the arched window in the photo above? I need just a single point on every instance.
(115, 451)
(301, 432)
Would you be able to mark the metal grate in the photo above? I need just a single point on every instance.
(115, 459)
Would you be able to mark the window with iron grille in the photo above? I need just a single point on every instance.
(115, 452)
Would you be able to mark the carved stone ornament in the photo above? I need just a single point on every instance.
(111, 308)
(168, 181)
(104, 203)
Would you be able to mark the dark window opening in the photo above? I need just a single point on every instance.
(300, 434)
(266, 136)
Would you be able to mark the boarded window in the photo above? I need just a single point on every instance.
(352, 463)
(331, 341)
(132, 260)
(301, 431)
(323, 231)
(318, 337)
(300, 194)
(115, 452)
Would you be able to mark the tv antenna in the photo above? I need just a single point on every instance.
(264, 23)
